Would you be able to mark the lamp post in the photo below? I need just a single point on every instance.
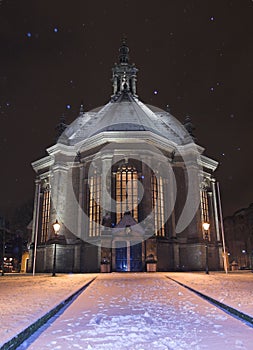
(56, 227)
(245, 260)
(206, 226)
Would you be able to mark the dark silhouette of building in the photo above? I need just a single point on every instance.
(239, 237)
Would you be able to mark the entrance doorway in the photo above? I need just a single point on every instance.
(128, 256)
(136, 257)
(121, 256)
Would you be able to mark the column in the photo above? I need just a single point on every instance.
(81, 201)
(216, 218)
(133, 85)
(36, 209)
(171, 203)
(146, 204)
(106, 189)
(36, 214)
(213, 236)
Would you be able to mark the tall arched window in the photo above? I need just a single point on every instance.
(204, 207)
(94, 204)
(158, 205)
(126, 191)
(45, 214)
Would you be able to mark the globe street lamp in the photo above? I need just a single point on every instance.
(206, 226)
(56, 227)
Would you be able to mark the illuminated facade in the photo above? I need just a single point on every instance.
(128, 185)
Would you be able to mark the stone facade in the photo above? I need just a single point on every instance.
(128, 184)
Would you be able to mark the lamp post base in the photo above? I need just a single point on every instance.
(207, 269)
(54, 262)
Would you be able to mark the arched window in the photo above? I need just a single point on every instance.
(126, 191)
(204, 207)
(45, 214)
(94, 204)
(158, 205)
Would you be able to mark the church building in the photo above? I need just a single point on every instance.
(129, 187)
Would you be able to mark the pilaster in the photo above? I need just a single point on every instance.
(215, 208)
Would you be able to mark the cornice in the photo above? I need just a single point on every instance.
(208, 163)
(42, 163)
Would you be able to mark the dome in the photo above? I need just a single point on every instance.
(125, 115)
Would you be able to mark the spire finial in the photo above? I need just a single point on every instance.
(124, 51)
(61, 126)
(81, 110)
(189, 126)
(124, 74)
(167, 108)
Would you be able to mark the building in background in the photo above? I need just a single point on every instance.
(239, 238)
(129, 186)
(6, 247)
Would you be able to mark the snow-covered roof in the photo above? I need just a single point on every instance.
(125, 114)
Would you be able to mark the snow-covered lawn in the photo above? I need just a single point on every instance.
(129, 311)
(149, 311)
(25, 298)
(234, 289)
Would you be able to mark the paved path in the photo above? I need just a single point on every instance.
(142, 311)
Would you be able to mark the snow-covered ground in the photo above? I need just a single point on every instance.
(234, 289)
(25, 298)
(144, 311)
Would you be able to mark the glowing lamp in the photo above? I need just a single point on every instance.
(206, 226)
(56, 227)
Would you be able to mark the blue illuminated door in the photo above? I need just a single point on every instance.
(128, 256)
(121, 256)
(136, 257)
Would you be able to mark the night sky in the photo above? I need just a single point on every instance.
(195, 55)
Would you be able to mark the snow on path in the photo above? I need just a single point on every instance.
(26, 298)
(142, 311)
(234, 289)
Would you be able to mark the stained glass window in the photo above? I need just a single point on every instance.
(204, 208)
(158, 204)
(126, 192)
(45, 215)
(94, 205)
